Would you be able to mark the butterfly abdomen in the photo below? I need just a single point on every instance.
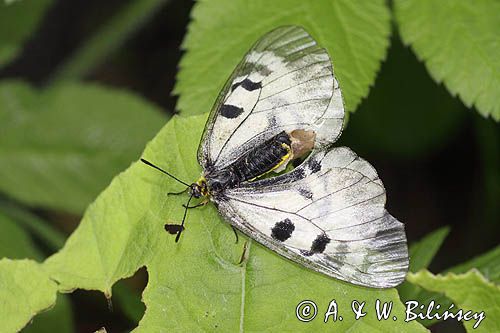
(263, 158)
(256, 162)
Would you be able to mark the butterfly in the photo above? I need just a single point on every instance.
(283, 103)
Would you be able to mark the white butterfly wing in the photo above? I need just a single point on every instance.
(285, 82)
(327, 214)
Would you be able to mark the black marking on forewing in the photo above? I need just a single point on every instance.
(282, 230)
(314, 165)
(305, 193)
(230, 111)
(247, 84)
(318, 245)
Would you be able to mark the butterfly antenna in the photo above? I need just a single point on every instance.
(165, 172)
(183, 219)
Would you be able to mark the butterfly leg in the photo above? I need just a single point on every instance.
(203, 203)
(178, 193)
(244, 254)
(235, 234)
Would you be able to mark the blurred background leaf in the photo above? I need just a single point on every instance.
(406, 114)
(108, 39)
(61, 146)
(18, 20)
(15, 243)
(458, 41)
(487, 263)
(421, 254)
(356, 35)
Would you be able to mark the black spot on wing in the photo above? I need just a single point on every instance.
(250, 86)
(305, 193)
(318, 245)
(282, 230)
(247, 84)
(235, 85)
(314, 166)
(230, 111)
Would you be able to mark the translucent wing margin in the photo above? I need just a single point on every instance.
(327, 214)
(284, 82)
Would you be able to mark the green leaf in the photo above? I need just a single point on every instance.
(458, 41)
(421, 254)
(60, 147)
(355, 33)
(198, 283)
(18, 20)
(469, 291)
(25, 290)
(130, 17)
(423, 251)
(488, 264)
(58, 319)
(15, 243)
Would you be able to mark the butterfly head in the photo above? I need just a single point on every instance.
(200, 188)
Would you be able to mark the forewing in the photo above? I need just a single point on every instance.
(327, 214)
(285, 82)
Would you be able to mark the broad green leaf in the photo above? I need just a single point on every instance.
(355, 33)
(198, 283)
(18, 20)
(468, 291)
(488, 264)
(60, 147)
(421, 254)
(406, 113)
(25, 290)
(458, 41)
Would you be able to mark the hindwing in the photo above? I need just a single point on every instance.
(327, 214)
